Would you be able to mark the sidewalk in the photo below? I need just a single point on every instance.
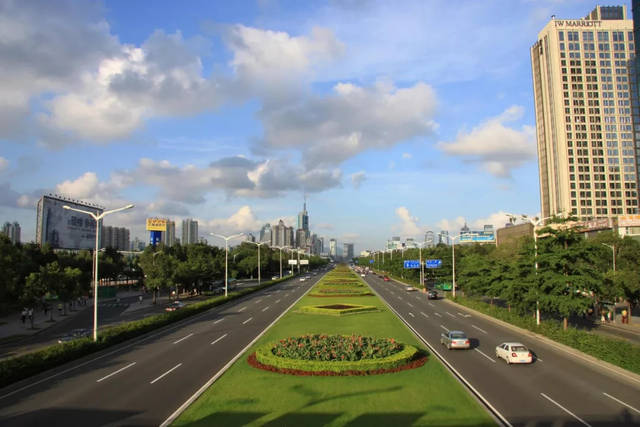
(12, 326)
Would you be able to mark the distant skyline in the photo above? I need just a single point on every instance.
(393, 118)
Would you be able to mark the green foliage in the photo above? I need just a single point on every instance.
(348, 309)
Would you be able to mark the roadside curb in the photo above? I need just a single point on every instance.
(629, 376)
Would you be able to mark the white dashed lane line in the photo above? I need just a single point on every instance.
(481, 330)
(242, 309)
(438, 314)
(218, 321)
(424, 314)
(450, 314)
(444, 327)
(431, 304)
(411, 314)
(183, 338)
(218, 339)
(166, 373)
(277, 301)
(247, 321)
(122, 369)
(565, 409)
(621, 402)
(464, 315)
(258, 301)
(491, 359)
(409, 304)
(266, 308)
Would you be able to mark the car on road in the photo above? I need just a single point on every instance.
(410, 289)
(176, 305)
(276, 277)
(74, 335)
(363, 275)
(302, 279)
(432, 294)
(514, 352)
(386, 278)
(455, 339)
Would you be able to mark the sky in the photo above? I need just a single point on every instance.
(391, 118)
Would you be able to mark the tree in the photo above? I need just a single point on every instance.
(158, 268)
(47, 279)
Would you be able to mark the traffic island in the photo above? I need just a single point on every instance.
(337, 309)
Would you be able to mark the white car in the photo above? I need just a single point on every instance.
(410, 289)
(302, 279)
(363, 275)
(514, 352)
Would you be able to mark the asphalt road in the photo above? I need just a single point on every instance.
(557, 389)
(143, 381)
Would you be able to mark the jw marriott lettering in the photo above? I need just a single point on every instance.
(577, 23)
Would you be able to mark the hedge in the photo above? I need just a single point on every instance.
(353, 309)
(617, 352)
(403, 357)
(19, 367)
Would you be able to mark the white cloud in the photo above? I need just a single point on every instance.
(243, 220)
(4, 164)
(451, 225)
(82, 187)
(330, 129)
(409, 225)
(358, 178)
(497, 148)
(407, 155)
(497, 219)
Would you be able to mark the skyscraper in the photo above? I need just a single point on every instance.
(115, 237)
(169, 235)
(582, 73)
(303, 218)
(347, 251)
(333, 248)
(12, 230)
(429, 239)
(265, 234)
(189, 231)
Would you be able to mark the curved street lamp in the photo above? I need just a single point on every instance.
(98, 219)
(258, 245)
(226, 257)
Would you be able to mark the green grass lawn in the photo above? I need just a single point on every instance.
(428, 395)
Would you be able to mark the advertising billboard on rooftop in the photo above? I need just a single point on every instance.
(65, 229)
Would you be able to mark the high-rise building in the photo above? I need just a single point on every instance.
(303, 218)
(12, 230)
(265, 234)
(429, 239)
(347, 251)
(115, 237)
(443, 237)
(584, 106)
(169, 235)
(277, 234)
(189, 231)
(333, 248)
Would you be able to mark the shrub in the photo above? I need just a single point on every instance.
(337, 310)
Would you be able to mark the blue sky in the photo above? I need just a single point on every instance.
(392, 117)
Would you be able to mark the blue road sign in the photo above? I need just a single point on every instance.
(412, 263)
(370, 261)
(433, 263)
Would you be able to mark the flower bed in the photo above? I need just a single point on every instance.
(337, 354)
(340, 293)
(337, 309)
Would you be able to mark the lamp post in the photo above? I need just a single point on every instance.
(280, 248)
(258, 245)
(536, 222)
(613, 249)
(226, 256)
(453, 265)
(98, 219)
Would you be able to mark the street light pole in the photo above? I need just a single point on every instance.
(453, 265)
(258, 245)
(98, 219)
(613, 249)
(226, 257)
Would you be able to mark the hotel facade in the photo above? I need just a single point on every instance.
(586, 107)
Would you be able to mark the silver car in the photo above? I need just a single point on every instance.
(455, 339)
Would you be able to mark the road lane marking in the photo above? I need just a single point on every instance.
(481, 330)
(286, 295)
(183, 338)
(464, 315)
(242, 309)
(450, 314)
(218, 321)
(565, 409)
(444, 327)
(122, 369)
(424, 314)
(621, 402)
(411, 314)
(265, 309)
(400, 298)
(218, 339)
(431, 304)
(490, 358)
(247, 321)
(409, 304)
(166, 373)
(438, 314)
(277, 301)
(258, 301)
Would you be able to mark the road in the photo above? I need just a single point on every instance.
(143, 381)
(557, 389)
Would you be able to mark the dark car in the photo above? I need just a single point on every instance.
(432, 295)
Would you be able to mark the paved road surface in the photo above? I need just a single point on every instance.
(557, 389)
(144, 381)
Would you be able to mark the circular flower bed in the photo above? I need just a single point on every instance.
(336, 355)
(337, 309)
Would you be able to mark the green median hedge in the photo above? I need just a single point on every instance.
(19, 367)
(617, 352)
(352, 309)
(404, 356)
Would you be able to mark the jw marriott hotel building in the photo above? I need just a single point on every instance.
(586, 106)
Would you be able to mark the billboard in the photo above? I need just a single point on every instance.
(65, 229)
(629, 221)
(156, 224)
(477, 238)
(293, 262)
(304, 262)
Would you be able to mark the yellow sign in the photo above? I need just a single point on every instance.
(156, 224)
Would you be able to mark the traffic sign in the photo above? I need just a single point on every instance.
(412, 263)
(433, 263)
